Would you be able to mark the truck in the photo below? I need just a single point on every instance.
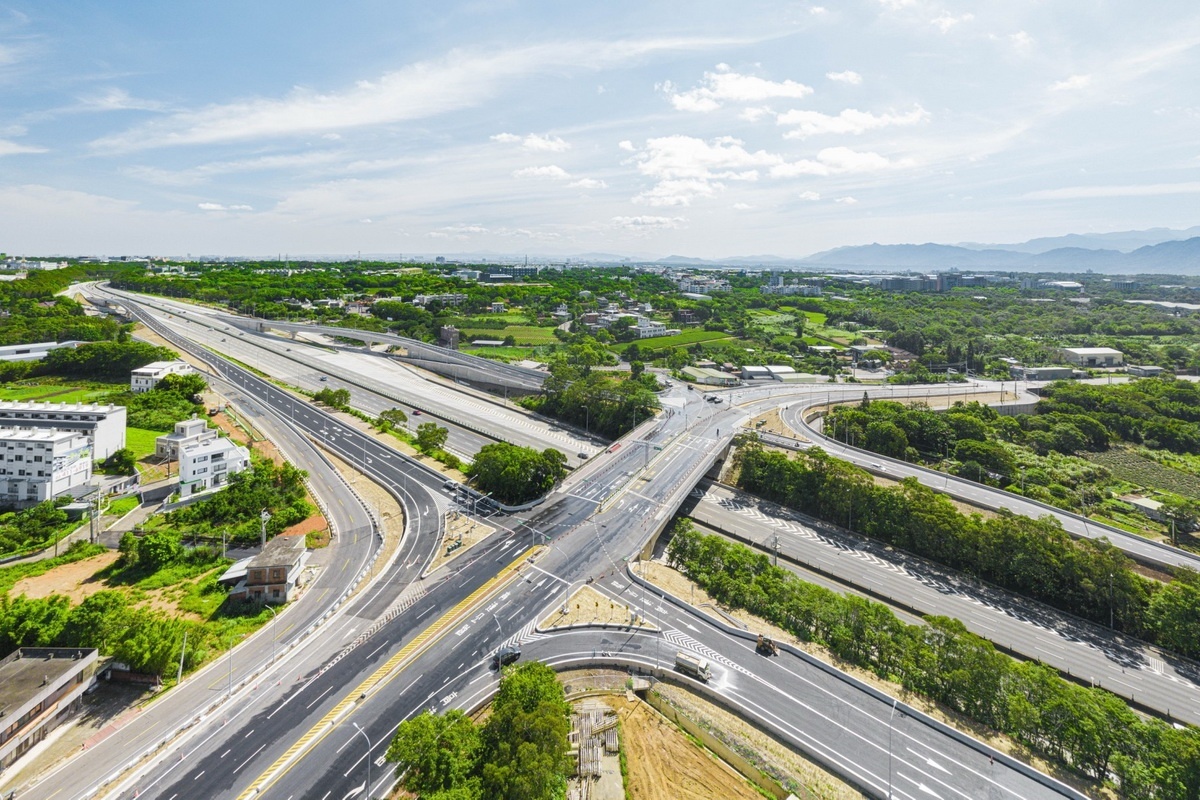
(766, 646)
(692, 666)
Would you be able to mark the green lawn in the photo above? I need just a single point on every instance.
(815, 317)
(58, 393)
(523, 334)
(509, 353)
(685, 338)
(141, 441)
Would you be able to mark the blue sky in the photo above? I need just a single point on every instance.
(644, 128)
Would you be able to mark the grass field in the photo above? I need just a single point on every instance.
(141, 441)
(523, 334)
(510, 353)
(679, 340)
(57, 392)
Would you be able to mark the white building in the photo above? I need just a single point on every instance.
(32, 352)
(103, 425)
(208, 465)
(1093, 356)
(37, 465)
(187, 433)
(648, 328)
(143, 379)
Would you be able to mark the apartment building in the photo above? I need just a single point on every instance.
(209, 465)
(188, 432)
(37, 465)
(103, 425)
(143, 379)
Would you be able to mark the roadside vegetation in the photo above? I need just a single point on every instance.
(515, 475)
(1089, 730)
(1036, 558)
(519, 753)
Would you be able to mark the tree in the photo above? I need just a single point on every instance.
(99, 621)
(334, 398)
(188, 385)
(636, 368)
(393, 417)
(159, 549)
(515, 474)
(523, 753)
(128, 548)
(435, 753)
(121, 462)
(430, 437)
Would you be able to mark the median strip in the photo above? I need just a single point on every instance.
(382, 675)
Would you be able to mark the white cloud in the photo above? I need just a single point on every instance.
(202, 173)
(587, 183)
(849, 76)
(846, 201)
(461, 79)
(685, 168)
(118, 100)
(947, 21)
(742, 206)
(533, 142)
(648, 223)
(755, 113)
(817, 11)
(1022, 42)
(1072, 83)
(837, 161)
(219, 207)
(9, 148)
(626, 145)
(332, 137)
(722, 87)
(896, 5)
(1131, 190)
(552, 171)
(850, 121)
(810, 196)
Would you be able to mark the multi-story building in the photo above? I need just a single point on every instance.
(143, 379)
(273, 575)
(209, 465)
(648, 328)
(40, 688)
(188, 432)
(37, 465)
(103, 425)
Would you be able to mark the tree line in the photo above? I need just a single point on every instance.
(1088, 729)
(519, 753)
(1033, 557)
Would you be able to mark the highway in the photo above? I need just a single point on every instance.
(376, 382)
(606, 511)
(1125, 666)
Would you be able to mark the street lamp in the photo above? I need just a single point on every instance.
(368, 738)
(274, 630)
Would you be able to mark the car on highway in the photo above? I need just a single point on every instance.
(323, 377)
(416, 412)
(450, 486)
(505, 655)
(583, 456)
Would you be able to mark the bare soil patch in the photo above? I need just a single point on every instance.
(75, 580)
(663, 764)
(461, 532)
(587, 606)
(773, 423)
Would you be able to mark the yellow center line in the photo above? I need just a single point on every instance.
(423, 639)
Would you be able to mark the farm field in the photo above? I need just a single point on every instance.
(678, 340)
(56, 392)
(1127, 465)
(523, 334)
(500, 353)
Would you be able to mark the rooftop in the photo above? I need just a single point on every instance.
(282, 551)
(36, 434)
(27, 670)
(1092, 351)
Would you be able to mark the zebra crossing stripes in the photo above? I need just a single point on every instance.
(684, 642)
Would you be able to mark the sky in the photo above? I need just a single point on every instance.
(704, 129)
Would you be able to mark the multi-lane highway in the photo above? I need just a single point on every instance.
(605, 513)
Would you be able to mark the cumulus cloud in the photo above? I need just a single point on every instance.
(587, 183)
(648, 223)
(946, 22)
(626, 145)
(9, 148)
(850, 121)
(754, 113)
(119, 100)
(849, 76)
(534, 142)
(742, 206)
(552, 171)
(846, 201)
(1022, 42)
(1072, 83)
(723, 86)
(817, 11)
(220, 207)
(685, 167)
(810, 196)
(838, 161)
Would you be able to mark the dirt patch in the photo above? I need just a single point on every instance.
(663, 763)
(75, 580)
(773, 423)
(461, 533)
(674, 582)
(590, 607)
(314, 524)
(164, 601)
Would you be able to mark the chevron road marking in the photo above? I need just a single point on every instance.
(422, 640)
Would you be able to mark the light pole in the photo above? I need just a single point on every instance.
(890, 716)
(264, 517)
(368, 738)
(274, 630)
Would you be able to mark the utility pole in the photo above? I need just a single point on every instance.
(776, 548)
(264, 517)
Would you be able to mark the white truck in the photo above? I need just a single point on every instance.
(692, 666)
